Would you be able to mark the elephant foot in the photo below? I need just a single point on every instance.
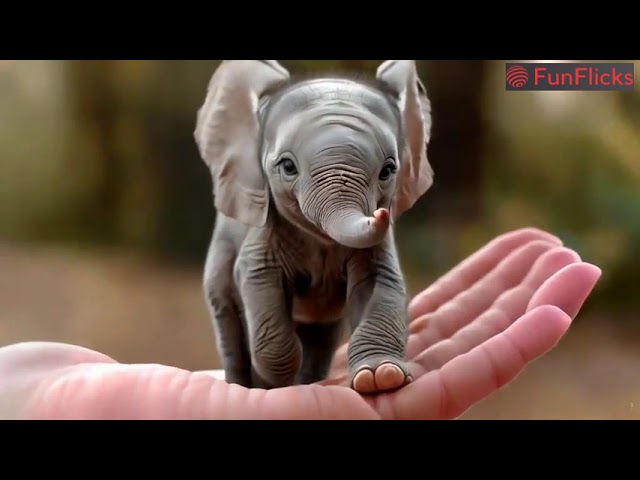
(379, 376)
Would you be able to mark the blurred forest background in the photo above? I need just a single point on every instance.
(106, 212)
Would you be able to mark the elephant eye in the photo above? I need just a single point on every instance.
(386, 172)
(288, 166)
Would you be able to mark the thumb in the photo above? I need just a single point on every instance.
(53, 381)
(24, 366)
(60, 381)
(108, 391)
(157, 392)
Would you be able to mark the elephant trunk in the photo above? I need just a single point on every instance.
(354, 229)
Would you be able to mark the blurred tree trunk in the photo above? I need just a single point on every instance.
(145, 184)
(457, 142)
(94, 109)
(184, 182)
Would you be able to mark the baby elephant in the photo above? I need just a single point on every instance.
(308, 175)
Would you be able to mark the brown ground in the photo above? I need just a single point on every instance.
(138, 311)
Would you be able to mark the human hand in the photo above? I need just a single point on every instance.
(472, 332)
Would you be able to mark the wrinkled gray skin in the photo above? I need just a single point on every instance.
(298, 169)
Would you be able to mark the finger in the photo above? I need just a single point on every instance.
(568, 289)
(447, 393)
(448, 319)
(473, 268)
(509, 306)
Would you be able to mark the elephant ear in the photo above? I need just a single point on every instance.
(415, 175)
(228, 136)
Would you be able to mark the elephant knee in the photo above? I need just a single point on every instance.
(278, 361)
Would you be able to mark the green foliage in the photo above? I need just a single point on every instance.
(576, 173)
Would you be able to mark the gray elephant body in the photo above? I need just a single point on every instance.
(308, 176)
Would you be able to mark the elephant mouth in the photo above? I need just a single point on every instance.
(316, 231)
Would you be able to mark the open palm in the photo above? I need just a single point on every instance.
(472, 332)
(478, 326)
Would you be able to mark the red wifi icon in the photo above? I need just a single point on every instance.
(517, 76)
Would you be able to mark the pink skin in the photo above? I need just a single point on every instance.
(486, 319)
(380, 216)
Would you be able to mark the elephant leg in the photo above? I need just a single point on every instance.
(226, 316)
(319, 343)
(377, 310)
(276, 353)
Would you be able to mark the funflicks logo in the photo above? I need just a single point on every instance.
(569, 76)
(517, 76)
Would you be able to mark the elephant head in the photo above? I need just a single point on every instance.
(339, 158)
